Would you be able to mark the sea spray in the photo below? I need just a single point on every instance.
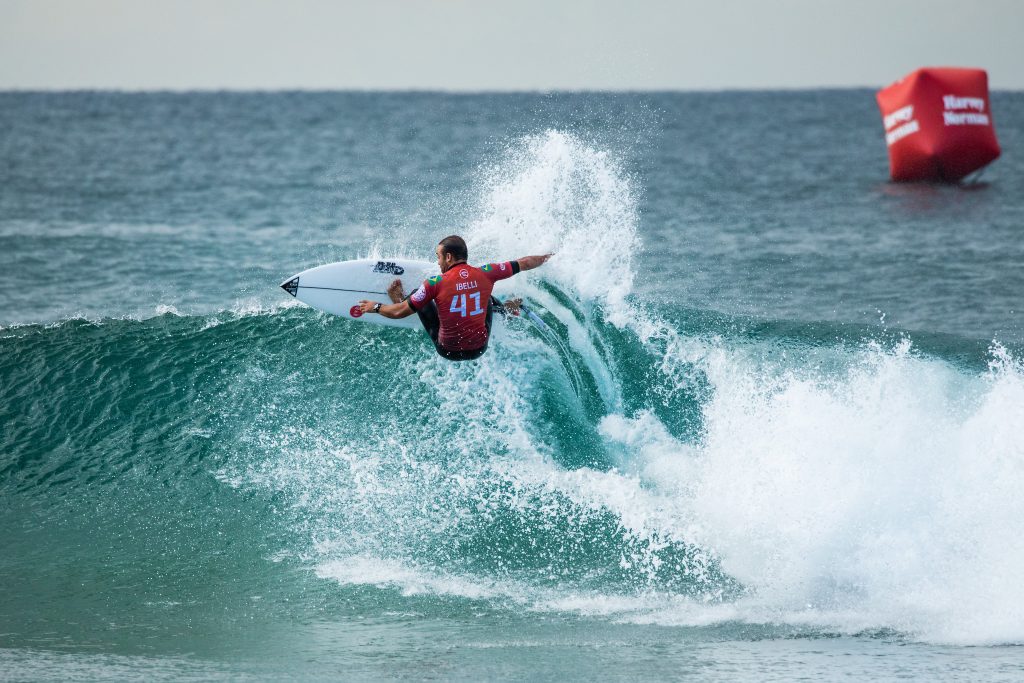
(554, 193)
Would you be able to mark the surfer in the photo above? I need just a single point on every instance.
(456, 306)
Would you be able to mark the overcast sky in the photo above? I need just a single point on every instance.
(508, 45)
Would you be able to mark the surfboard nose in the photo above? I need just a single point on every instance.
(291, 286)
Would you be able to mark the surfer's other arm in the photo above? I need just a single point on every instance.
(394, 311)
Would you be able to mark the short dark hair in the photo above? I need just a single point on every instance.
(456, 246)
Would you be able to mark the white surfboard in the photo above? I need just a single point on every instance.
(339, 287)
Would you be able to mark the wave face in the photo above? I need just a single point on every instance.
(640, 464)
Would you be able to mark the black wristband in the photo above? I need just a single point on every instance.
(376, 308)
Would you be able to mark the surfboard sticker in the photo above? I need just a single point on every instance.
(389, 267)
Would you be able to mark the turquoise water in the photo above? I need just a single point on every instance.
(776, 430)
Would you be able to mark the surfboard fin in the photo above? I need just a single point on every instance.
(534, 318)
(292, 286)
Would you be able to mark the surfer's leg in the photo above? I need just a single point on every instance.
(495, 303)
(430, 320)
(427, 315)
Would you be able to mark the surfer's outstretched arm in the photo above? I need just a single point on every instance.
(531, 262)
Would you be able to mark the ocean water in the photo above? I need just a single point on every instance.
(776, 430)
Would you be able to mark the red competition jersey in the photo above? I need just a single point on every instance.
(462, 294)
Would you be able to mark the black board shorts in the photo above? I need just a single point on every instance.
(432, 324)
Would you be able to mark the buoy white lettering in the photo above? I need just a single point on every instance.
(899, 116)
(901, 132)
(954, 102)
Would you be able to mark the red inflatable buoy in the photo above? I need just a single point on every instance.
(938, 124)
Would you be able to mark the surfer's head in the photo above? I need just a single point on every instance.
(451, 250)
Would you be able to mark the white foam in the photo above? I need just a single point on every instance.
(885, 498)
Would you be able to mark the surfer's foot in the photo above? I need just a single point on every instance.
(513, 306)
(395, 291)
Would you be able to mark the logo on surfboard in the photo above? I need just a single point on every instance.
(355, 311)
(389, 267)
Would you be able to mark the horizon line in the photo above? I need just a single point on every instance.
(445, 91)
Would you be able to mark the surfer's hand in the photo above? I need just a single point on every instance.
(366, 306)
